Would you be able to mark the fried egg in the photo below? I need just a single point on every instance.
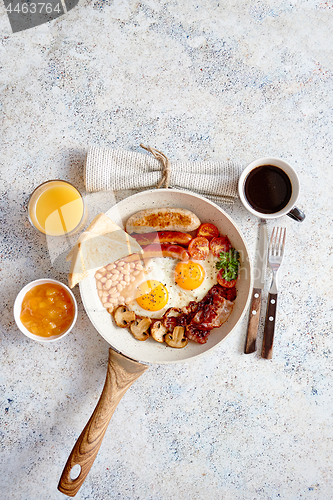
(167, 283)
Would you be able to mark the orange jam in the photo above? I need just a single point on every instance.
(47, 310)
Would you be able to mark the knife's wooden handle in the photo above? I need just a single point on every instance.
(252, 329)
(121, 374)
(267, 346)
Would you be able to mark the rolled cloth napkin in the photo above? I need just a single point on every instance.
(117, 169)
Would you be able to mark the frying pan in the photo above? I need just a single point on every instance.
(127, 356)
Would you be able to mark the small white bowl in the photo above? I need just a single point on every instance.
(18, 307)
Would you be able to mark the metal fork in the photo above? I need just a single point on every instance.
(275, 256)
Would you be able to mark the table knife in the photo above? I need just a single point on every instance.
(258, 285)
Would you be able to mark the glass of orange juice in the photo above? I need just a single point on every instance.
(56, 208)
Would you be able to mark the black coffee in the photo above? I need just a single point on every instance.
(268, 189)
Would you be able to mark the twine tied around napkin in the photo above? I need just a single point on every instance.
(117, 169)
(165, 164)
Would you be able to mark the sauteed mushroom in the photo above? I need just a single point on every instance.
(140, 328)
(123, 317)
(158, 331)
(173, 312)
(176, 338)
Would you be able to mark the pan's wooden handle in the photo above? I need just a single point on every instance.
(121, 374)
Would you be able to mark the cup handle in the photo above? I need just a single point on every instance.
(296, 214)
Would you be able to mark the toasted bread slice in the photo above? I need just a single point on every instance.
(103, 242)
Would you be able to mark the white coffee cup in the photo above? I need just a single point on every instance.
(269, 188)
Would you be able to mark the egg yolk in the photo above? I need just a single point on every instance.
(152, 295)
(189, 275)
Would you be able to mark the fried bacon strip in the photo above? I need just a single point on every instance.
(199, 318)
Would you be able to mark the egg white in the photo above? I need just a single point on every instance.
(163, 270)
(210, 279)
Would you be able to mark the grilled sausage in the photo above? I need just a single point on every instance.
(159, 219)
(165, 250)
(175, 237)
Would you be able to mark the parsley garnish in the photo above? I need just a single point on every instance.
(229, 262)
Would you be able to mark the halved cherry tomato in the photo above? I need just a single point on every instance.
(208, 231)
(223, 282)
(218, 245)
(199, 248)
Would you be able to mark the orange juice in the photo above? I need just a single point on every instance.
(56, 208)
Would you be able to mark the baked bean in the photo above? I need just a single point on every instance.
(113, 290)
(127, 279)
(98, 276)
(114, 277)
(135, 273)
(114, 271)
(123, 282)
(99, 285)
(121, 263)
(126, 271)
(119, 287)
(103, 280)
(132, 265)
(104, 299)
(100, 293)
(132, 278)
(139, 266)
(108, 284)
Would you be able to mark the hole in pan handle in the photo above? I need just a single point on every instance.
(121, 374)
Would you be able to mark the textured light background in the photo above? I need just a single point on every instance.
(203, 80)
